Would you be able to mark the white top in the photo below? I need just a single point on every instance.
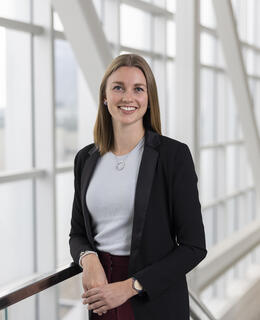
(110, 200)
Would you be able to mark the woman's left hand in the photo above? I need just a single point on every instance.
(108, 296)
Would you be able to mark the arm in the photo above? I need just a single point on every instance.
(188, 226)
(78, 239)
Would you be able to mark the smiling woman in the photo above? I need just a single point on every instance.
(136, 226)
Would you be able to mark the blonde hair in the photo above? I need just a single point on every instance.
(103, 129)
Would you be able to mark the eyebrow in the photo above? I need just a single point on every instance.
(136, 84)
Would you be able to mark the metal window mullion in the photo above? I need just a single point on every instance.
(34, 206)
(149, 7)
(21, 26)
(53, 144)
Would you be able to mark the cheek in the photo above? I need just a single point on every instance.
(143, 101)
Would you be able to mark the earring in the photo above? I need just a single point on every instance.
(105, 103)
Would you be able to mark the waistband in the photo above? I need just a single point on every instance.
(111, 259)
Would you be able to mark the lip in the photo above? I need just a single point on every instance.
(128, 107)
(127, 111)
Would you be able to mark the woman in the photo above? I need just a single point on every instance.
(136, 226)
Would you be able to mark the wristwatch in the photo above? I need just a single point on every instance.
(136, 285)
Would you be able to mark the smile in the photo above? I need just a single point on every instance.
(127, 110)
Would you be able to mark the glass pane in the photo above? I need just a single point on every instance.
(249, 60)
(26, 308)
(207, 107)
(220, 169)
(159, 30)
(16, 231)
(231, 171)
(207, 16)
(4, 314)
(57, 24)
(70, 301)
(171, 5)
(15, 109)
(15, 9)
(207, 176)
(159, 71)
(230, 213)
(139, 35)
(208, 49)
(221, 222)
(170, 102)
(171, 38)
(209, 226)
(242, 163)
(64, 191)
(66, 89)
(232, 119)
(221, 107)
(220, 60)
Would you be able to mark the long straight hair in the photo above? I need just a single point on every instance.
(103, 129)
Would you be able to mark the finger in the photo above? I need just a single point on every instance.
(100, 313)
(100, 310)
(96, 305)
(91, 292)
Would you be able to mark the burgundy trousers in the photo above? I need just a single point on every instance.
(116, 270)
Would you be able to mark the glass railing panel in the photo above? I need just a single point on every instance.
(4, 314)
(25, 309)
(69, 300)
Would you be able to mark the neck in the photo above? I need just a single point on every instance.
(125, 139)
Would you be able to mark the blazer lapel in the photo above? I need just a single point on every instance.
(142, 193)
(87, 172)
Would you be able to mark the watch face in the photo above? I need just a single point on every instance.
(136, 285)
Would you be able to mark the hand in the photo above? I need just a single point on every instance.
(93, 274)
(107, 296)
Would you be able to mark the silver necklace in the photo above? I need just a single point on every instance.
(121, 163)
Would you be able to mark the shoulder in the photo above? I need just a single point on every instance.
(173, 147)
(175, 154)
(83, 154)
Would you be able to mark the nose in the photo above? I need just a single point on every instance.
(127, 97)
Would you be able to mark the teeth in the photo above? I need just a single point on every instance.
(127, 108)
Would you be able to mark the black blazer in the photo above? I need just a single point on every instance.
(168, 237)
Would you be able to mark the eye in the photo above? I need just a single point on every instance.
(117, 87)
(139, 88)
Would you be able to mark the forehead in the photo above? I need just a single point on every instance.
(128, 75)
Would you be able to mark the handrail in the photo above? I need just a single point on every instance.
(39, 283)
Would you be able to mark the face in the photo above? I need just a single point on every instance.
(126, 87)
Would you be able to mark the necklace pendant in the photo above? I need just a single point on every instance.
(120, 165)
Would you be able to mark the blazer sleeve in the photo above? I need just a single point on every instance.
(188, 226)
(78, 241)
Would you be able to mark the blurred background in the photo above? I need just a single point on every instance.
(205, 55)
